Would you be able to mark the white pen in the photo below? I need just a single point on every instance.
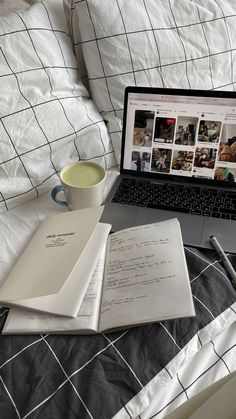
(224, 259)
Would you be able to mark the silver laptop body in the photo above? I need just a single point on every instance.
(181, 144)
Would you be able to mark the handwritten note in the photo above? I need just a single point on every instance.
(89, 309)
(141, 269)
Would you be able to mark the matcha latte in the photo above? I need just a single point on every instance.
(83, 184)
(82, 175)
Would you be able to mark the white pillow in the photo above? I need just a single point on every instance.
(47, 119)
(162, 43)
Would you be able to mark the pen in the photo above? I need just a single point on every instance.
(224, 259)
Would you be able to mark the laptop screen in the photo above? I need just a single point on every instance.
(186, 134)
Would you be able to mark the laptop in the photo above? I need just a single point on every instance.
(178, 159)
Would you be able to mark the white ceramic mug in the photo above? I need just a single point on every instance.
(83, 184)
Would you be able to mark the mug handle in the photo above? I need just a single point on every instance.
(54, 193)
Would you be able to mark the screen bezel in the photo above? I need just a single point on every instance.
(177, 92)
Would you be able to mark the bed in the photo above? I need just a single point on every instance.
(63, 69)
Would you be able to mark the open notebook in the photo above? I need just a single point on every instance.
(140, 277)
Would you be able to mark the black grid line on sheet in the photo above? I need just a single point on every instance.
(100, 56)
(27, 190)
(184, 390)
(29, 70)
(30, 107)
(182, 43)
(128, 413)
(219, 360)
(199, 339)
(98, 375)
(33, 29)
(202, 376)
(168, 372)
(233, 309)
(2, 200)
(230, 44)
(115, 132)
(88, 116)
(127, 40)
(38, 105)
(50, 83)
(163, 66)
(219, 356)
(51, 142)
(43, 145)
(24, 168)
(156, 43)
(207, 43)
(72, 126)
(156, 29)
(22, 153)
(4, 126)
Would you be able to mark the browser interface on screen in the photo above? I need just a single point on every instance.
(179, 135)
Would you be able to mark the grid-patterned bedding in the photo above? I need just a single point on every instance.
(159, 43)
(214, 361)
(100, 376)
(47, 119)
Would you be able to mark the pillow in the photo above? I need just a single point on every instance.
(162, 43)
(47, 118)
(7, 6)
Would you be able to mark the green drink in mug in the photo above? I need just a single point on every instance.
(83, 184)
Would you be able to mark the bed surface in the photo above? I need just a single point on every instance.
(132, 373)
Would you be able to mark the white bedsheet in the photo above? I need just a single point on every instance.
(198, 368)
(214, 361)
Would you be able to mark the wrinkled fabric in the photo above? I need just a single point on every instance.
(47, 117)
(157, 43)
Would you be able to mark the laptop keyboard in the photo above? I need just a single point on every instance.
(188, 199)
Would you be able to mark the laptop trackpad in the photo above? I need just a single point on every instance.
(223, 230)
(191, 225)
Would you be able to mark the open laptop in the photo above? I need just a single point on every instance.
(178, 159)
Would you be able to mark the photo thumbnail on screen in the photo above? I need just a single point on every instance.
(186, 130)
(143, 128)
(225, 174)
(140, 161)
(161, 158)
(227, 150)
(209, 131)
(164, 130)
(182, 160)
(205, 157)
